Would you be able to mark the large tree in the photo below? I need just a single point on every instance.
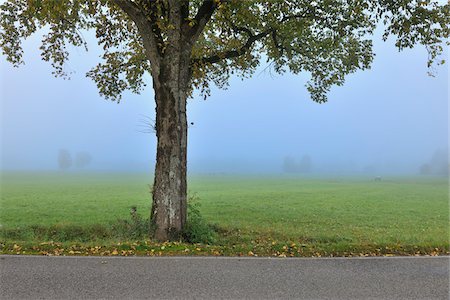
(186, 45)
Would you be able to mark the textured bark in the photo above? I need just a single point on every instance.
(169, 188)
(169, 210)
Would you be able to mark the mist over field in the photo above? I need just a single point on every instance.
(392, 119)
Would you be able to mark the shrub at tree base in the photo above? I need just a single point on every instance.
(197, 230)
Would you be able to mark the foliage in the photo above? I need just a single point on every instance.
(197, 230)
(329, 39)
(137, 227)
(64, 159)
(82, 159)
(437, 165)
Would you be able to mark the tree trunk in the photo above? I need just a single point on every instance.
(169, 210)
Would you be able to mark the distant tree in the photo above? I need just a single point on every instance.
(190, 44)
(290, 165)
(64, 159)
(425, 169)
(438, 164)
(305, 165)
(82, 159)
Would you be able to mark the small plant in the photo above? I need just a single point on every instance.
(134, 228)
(197, 230)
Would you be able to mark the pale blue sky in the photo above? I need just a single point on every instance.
(393, 117)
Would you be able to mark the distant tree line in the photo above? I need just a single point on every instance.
(65, 161)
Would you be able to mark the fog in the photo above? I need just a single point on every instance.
(392, 119)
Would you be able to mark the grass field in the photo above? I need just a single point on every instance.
(266, 214)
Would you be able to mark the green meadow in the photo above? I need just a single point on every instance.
(249, 214)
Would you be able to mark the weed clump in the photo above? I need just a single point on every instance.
(136, 227)
(197, 230)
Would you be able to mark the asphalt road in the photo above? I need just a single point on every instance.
(35, 277)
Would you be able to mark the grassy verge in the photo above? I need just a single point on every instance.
(258, 248)
(89, 214)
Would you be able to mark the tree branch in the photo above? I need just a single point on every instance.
(278, 46)
(150, 37)
(206, 11)
(185, 9)
(235, 53)
(202, 17)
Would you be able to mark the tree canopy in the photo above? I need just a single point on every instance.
(328, 39)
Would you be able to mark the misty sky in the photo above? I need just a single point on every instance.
(392, 117)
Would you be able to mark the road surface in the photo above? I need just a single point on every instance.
(36, 277)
